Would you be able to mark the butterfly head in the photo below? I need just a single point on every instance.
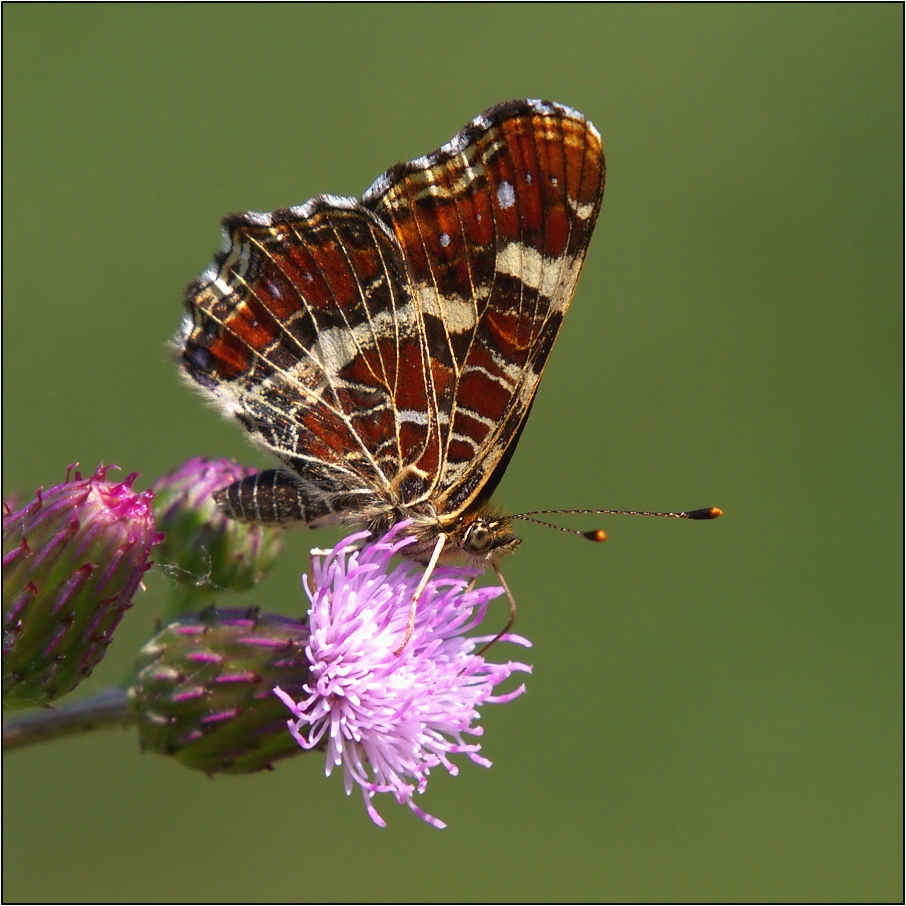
(483, 536)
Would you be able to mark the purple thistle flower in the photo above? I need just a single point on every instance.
(209, 550)
(388, 718)
(73, 558)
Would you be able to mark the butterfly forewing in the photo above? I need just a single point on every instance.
(387, 350)
(494, 228)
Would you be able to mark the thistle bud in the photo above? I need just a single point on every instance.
(209, 550)
(73, 559)
(204, 690)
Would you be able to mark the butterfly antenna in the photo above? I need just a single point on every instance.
(709, 512)
(595, 535)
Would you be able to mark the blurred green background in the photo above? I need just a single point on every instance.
(716, 708)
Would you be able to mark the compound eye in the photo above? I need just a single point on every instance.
(480, 538)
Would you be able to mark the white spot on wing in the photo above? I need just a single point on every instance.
(221, 288)
(273, 289)
(413, 416)
(457, 313)
(582, 211)
(505, 195)
(337, 347)
(552, 277)
(444, 240)
(416, 417)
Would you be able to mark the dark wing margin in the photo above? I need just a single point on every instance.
(493, 227)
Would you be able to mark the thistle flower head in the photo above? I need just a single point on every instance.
(210, 550)
(73, 559)
(390, 718)
(203, 692)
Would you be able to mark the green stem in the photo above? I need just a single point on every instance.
(109, 708)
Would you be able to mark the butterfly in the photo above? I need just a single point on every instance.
(387, 349)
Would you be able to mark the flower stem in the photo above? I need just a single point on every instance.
(109, 708)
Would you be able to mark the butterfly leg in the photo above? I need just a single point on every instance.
(512, 602)
(438, 547)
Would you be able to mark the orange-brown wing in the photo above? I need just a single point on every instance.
(493, 227)
(387, 350)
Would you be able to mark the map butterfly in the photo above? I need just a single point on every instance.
(387, 350)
